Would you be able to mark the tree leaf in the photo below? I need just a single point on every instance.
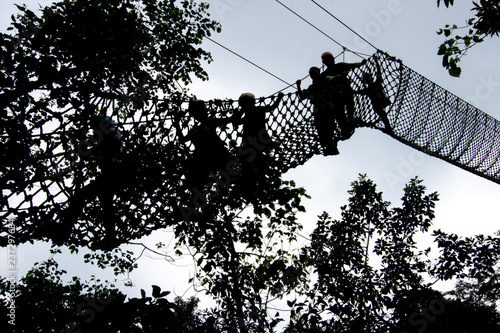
(455, 72)
(156, 291)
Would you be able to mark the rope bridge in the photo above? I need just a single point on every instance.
(422, 115)
(46, 166)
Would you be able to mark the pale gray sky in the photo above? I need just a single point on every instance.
(266, 33)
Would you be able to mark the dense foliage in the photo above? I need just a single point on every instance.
(45, 304)
(69, 62)
(365, 272)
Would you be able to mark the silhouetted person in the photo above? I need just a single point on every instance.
(256, 141)
(210, 153)
(106, 149)
(375, 91)
(254, 118)
(343, 91)
(326, 111)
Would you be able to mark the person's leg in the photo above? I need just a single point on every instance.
(61, 232)
(110, 219)
(345, 126)
(325, 126)
(383, 116)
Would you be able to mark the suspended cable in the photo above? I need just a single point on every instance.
(361, 55)
(266, 71)
(312, 25)
(290, 86)
(307, 75)
(345, 25)
(254, 64)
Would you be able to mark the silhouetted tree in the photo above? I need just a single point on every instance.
(43, 303)
(362, 273)
(369, 275)
(69, 62)
(240, 260)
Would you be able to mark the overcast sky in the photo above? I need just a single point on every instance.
(266, 33)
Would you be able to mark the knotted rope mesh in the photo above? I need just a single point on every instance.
(434, 121)
(47, 166)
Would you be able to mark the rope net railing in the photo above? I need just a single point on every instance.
(47, 160)
(431, 119)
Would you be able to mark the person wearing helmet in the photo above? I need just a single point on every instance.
(105, 147)
(343, 92)
(210, 153)
(256, 141)
(319, 93)
(254, 118)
